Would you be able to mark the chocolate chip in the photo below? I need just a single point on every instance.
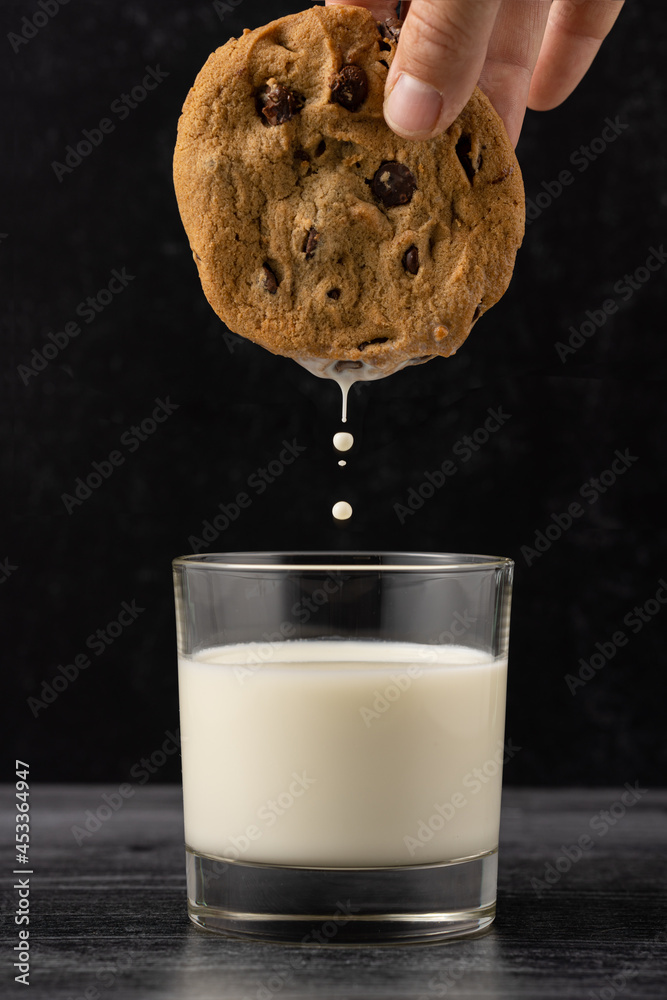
(270, 280)
(310, 243)
(349, 88)
(393, 184)
(348, 366)
(411, 260)
(277, 104)
(367, 343)
(321, 149)
(302, 155)
(464, 153)
(334, 294)
(390, 29)
(504, 174)
(478, 312)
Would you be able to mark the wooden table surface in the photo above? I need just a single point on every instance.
(108, 917)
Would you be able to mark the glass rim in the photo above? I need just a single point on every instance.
(327, 560)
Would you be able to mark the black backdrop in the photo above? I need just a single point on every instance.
(68, 567)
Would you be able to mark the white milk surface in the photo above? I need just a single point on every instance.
(342, 753)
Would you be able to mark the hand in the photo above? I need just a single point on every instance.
(522, 53)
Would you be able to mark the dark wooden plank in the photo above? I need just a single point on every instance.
(108, 916)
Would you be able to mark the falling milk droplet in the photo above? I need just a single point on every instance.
(342, 511)
(343, 441)
(345, 380)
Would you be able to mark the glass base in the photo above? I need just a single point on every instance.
(342, 906)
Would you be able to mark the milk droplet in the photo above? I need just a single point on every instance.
(342, 462)
(345, 389)
(343, 441)
(342, 511)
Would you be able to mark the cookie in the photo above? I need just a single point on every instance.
(317, 232)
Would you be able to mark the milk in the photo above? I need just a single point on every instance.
(347, 376)
(341, 510)
(342, 753)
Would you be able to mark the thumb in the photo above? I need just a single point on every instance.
(440, 57)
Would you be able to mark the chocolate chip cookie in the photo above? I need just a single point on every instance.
(319, 233)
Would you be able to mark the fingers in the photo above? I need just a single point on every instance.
(574, 34)
(380, 9)
(439, 59)
(513, 50)
(522, 52)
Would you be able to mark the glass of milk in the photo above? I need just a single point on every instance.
(342, 725)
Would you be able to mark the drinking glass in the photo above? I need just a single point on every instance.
(342, 720)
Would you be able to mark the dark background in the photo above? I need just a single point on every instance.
(66, 574)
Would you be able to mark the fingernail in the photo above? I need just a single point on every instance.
(413, 107)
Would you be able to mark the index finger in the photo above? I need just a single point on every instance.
(574, 34)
